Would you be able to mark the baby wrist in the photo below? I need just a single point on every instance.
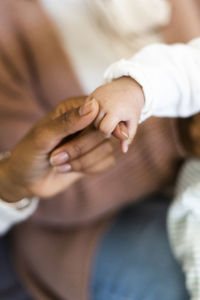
(133, 70)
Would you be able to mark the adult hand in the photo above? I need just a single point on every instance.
(37, 166)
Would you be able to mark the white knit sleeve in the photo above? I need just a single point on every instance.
(10, 216)
(184, 225)
(13, 213)
(169, 75)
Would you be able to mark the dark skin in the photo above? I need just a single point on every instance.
(32, 169)
(185, 21)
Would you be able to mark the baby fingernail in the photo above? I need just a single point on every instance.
(59, 158)
(125, 146)
(123, 129)
(63, 168)
(86, 108)
(125, 134)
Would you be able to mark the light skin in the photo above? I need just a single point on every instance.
(41, 166)
(120, 102)
(116, 100)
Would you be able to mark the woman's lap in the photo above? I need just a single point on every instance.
(134, 260)
(10, 287)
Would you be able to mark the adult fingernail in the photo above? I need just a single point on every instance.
(86, 108)
(63, 169)
(59, 158)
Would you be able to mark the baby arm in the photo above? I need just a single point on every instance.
(120, 102)
(166, 79)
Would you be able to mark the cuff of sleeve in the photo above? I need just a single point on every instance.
(134, 70)
(10, 216)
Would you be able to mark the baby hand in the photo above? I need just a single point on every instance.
(120, 105)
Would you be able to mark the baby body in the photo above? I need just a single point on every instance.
(161, 81)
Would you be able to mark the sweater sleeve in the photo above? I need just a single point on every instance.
(184, 225)
(10, 216)
(169, 76)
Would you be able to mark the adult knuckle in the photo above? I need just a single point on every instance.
(78, 165)
(67, 119)
(77, 150)
(37, 136)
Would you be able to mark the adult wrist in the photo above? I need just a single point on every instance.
(10, 190)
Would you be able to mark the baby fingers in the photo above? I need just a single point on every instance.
(132, 128)
(121, 131)
(108, 124)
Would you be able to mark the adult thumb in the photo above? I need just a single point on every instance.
(68, 124)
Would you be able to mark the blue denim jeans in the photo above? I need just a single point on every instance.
(134, 260)
(10, 286)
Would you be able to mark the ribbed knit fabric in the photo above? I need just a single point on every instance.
(184, 225)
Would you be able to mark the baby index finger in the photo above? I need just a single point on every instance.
(108, 124)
